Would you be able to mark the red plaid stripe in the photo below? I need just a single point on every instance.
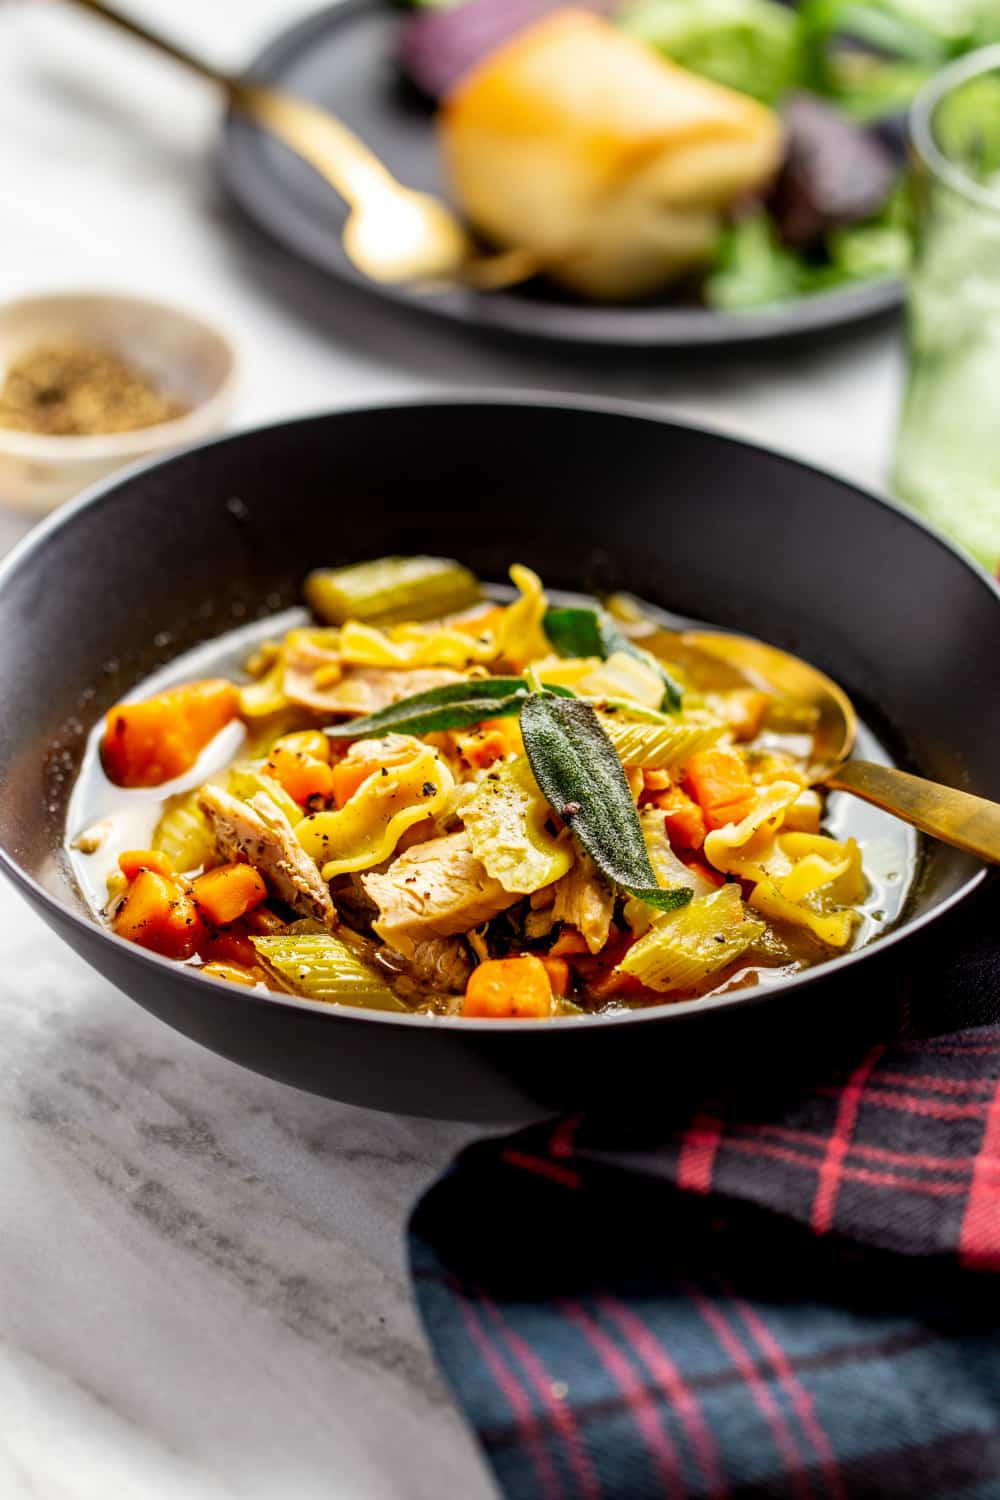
(913, 1121)
(758, 1304)
(979, 1244)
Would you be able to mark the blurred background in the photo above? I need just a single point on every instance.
(108, 158)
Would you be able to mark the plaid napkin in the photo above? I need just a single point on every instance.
(796, 1300)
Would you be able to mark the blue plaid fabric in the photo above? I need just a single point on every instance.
(802, 1302)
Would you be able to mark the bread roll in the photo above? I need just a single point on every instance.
(579, 142)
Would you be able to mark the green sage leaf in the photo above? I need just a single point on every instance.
(588, 632)
(457, 705)
(574, 632)
(576, 767)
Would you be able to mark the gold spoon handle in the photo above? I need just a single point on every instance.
(970, 823)
(318, 137)
(392, 233)
(336, 152)
(153, 39)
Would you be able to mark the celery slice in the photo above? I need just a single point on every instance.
(684, 947)
(319, 966)
(391, 588)
(654, 747)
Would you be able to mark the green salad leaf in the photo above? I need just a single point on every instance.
(749, 45)
(871, 56)
(881, 247)
(581, 777)
(923, 30)
(826, 25)
(869, 88)
(752, 269)
(876, 249)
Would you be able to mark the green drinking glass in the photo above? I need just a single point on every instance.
(948, 452)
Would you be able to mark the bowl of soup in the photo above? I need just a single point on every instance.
(353, 758)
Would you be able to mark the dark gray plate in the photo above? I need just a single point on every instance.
(343, 57)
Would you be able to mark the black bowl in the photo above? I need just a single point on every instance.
(178, 551)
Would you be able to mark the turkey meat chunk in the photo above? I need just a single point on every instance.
(585, 900)
(316, 678)
(258, 833)
(435, 889)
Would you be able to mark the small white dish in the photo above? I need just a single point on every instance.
(185, 357)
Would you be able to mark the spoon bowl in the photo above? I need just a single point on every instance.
(764, 666)
(946, 813)
(402, 236)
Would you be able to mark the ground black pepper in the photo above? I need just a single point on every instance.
(73, 389)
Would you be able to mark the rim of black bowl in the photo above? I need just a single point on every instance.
(39, 536)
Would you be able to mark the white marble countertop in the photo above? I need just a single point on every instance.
(202, 1280)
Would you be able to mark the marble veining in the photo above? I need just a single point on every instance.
(202, 1283)
(193, 1257)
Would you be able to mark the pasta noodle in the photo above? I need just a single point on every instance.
(414, 646)
(266, 696)
(623, 676)
(566, 671)
(505, 819)
(736, 848)
(834, 930)
(792, 871)
(521, 636)
(668, 868)
(367, 829)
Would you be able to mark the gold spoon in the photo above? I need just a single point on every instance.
(392, 233)
(958, 818)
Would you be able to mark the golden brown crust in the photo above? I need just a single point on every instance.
(580, 142)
